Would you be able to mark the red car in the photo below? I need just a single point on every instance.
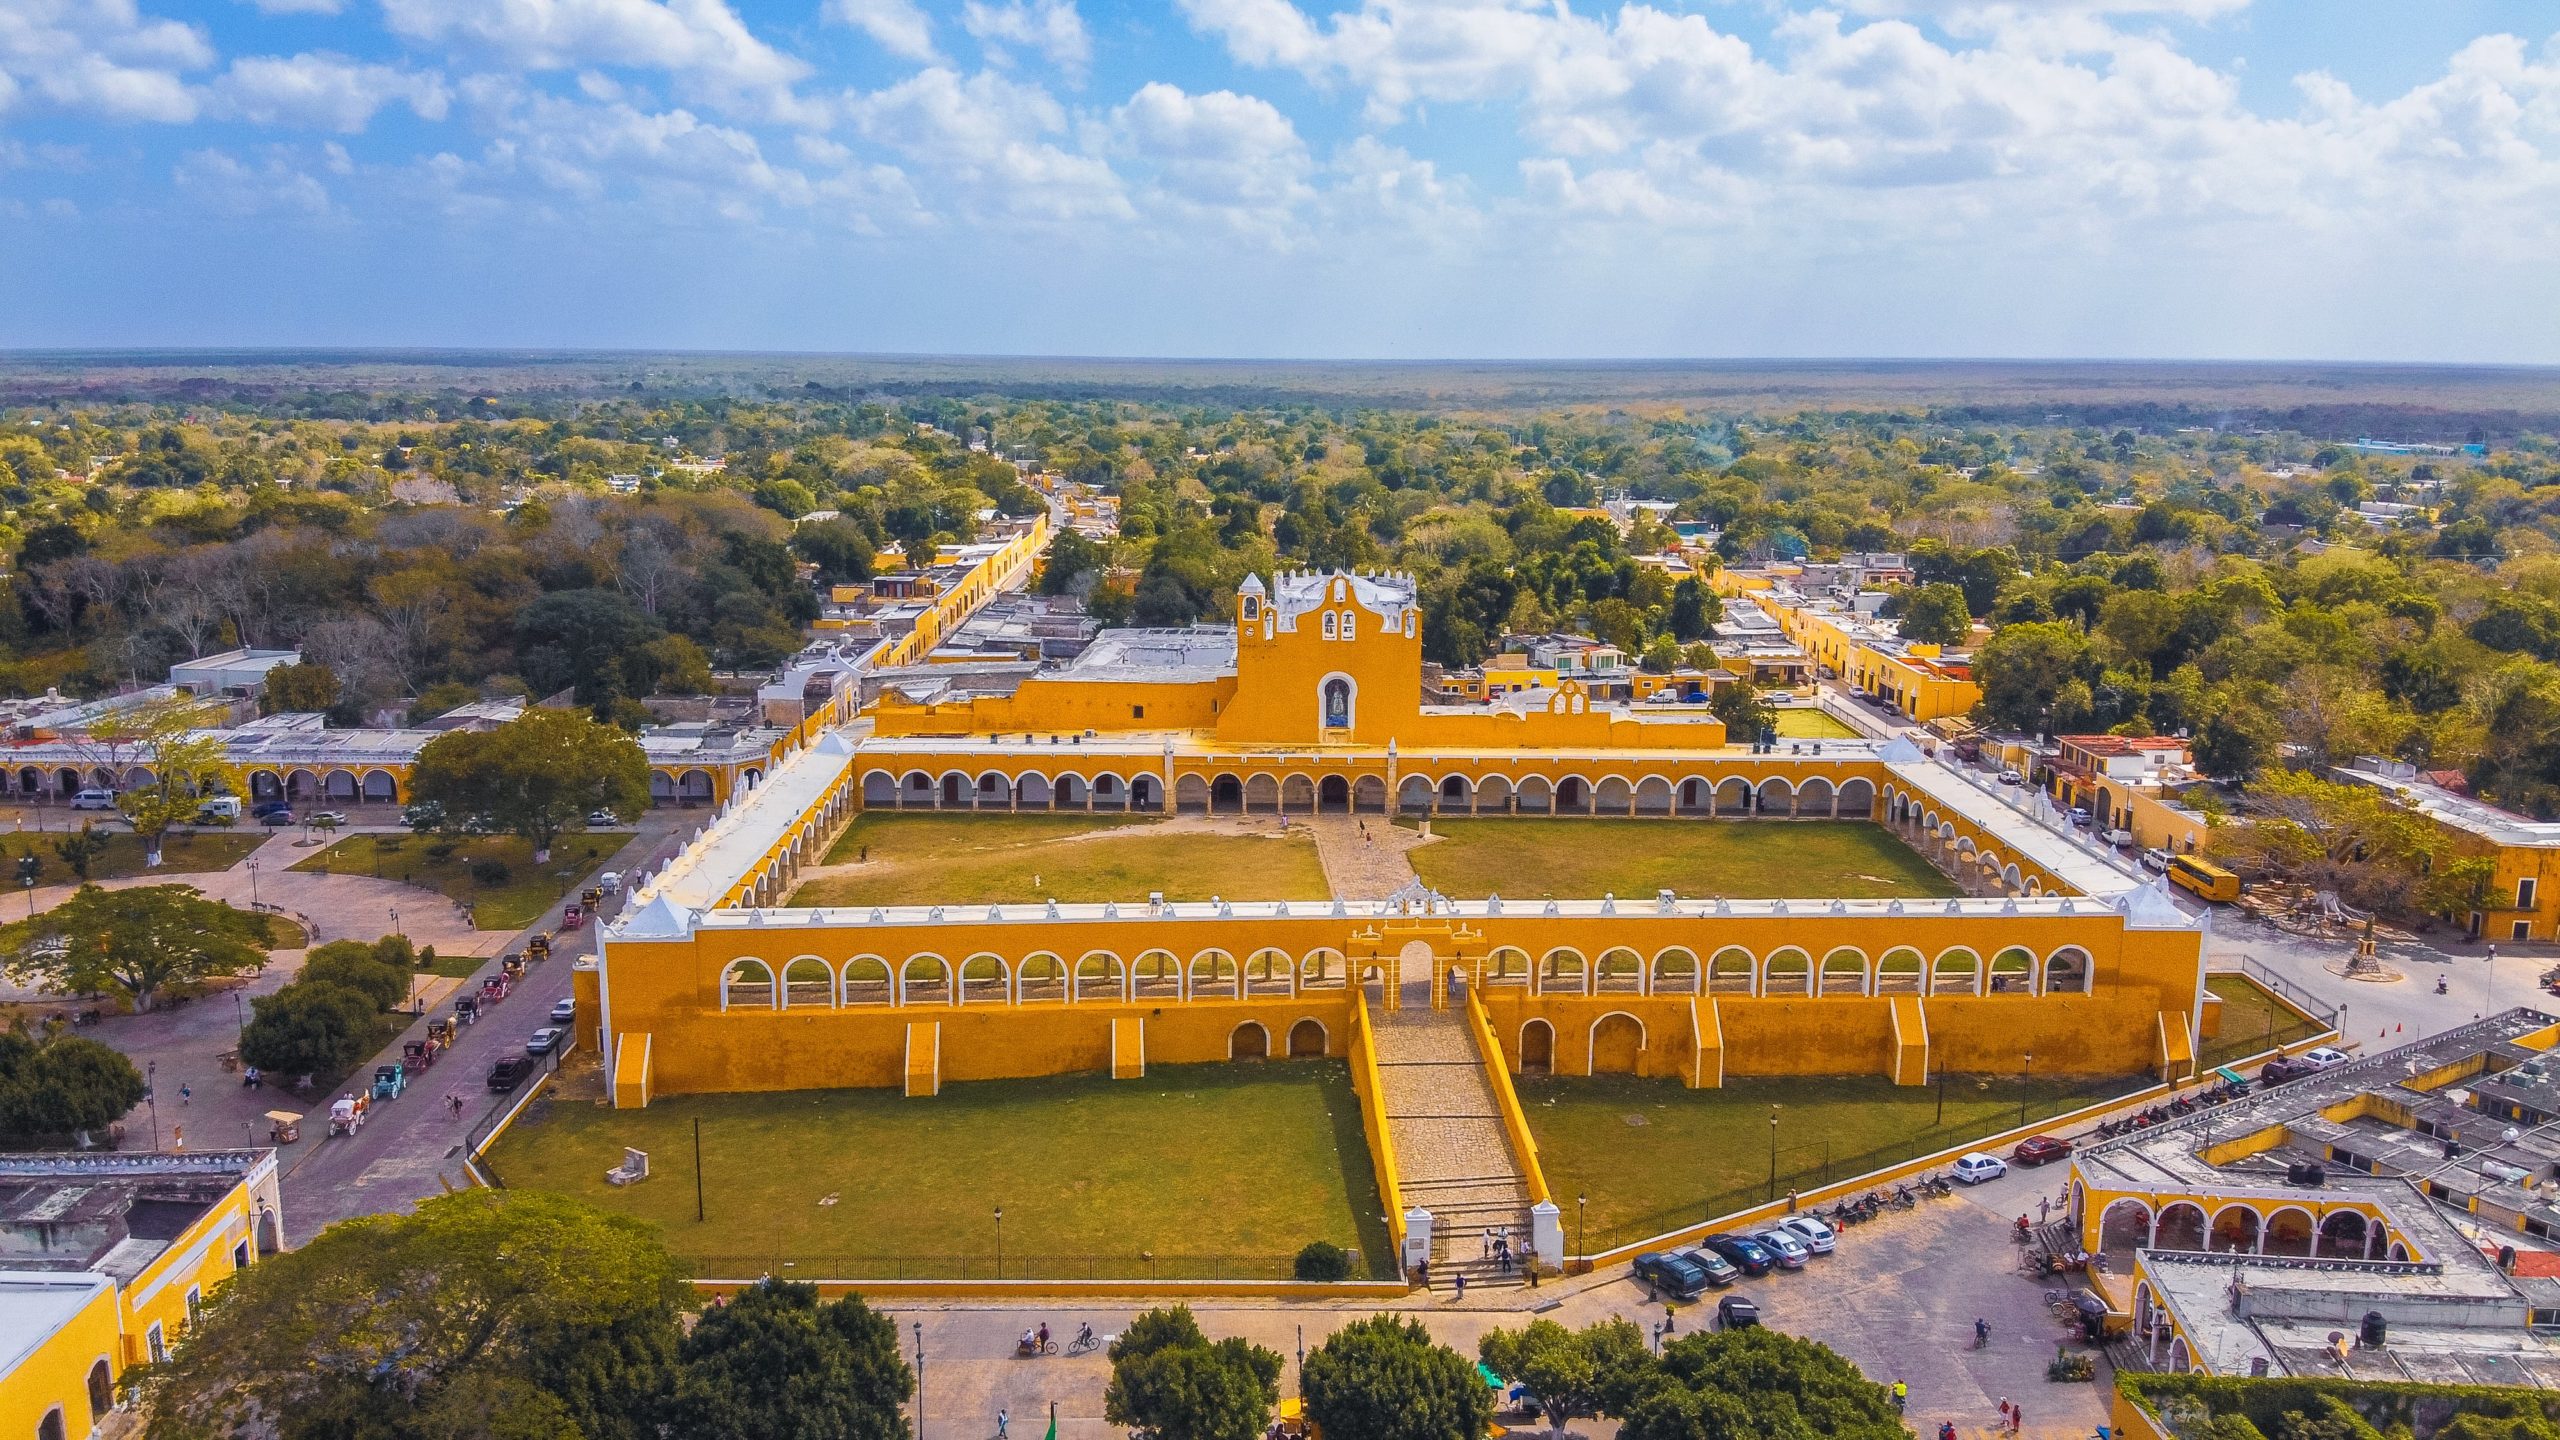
(2040, 1149)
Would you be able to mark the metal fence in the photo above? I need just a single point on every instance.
(1808, 1167)
(749, 1264)
(2294, 995)
(527, 1091)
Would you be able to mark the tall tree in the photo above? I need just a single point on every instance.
(1937, 615)
(774, 1363)
(1171, 1382)
(310, 1027)
(1757, 1384)
(1596, 1370)
(534, 776)
(67, 1085)
(505, 1313)
(1385, 1378)
(306, 687)
(138, 942)
(187, 764)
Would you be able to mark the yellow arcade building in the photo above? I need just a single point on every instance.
(1309, 702)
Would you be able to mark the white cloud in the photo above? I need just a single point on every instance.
(225, 185)
(1232, 156)
(1051, 27)
(322, 92)
(984, 139)
(702, 43)
(898, 26)
(99, 56)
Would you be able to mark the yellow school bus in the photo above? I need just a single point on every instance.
(2204, 879)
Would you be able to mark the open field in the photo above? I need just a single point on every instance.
(986, 860)
(182, 852)
(1800, 723)
(2252, 1021)
(510, 904)
(1735, 859)
(1653, 1155)
(1208, 1168)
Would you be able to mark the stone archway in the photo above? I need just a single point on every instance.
(1249, 1042)
(1333, 796)
(1537, 1048)
(1307, 1040)
(1617, 1044)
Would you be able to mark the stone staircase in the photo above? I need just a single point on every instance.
(1452, 1156)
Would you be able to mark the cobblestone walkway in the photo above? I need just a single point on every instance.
(1363, 855)
(1451, 1154)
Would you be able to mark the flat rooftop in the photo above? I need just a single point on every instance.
(34, 1305)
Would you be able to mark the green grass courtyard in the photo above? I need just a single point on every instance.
(1735, 859)
(182, 852)
(2253, 1021)
(1011, 859)
(509, 903)
(1804, 722)
(1653, 1155)
(1210, 1169)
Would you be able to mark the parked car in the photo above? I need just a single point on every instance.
(564, 1011)
(2322, 1058)
(1736, 1312)
(329, 817)
(265, 808)
(1748, 1255)
(508, 1073)
(1977, 1167)
(2080, 816)
(2012, 777)
(2156, 861)
(2040, 1150)
(1784, 1243)
(610, 882)
(1819, 1238)
(2283, 1068)
(94, 800)
(1720, 1271)
(277, 818)
(603, 817)
(543, 1041)
(1670, 1273)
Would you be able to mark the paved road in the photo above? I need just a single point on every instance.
(1899, 1299)
(411, 1148)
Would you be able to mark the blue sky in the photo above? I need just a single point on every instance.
(2331, 179)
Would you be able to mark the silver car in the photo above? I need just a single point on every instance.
(1817, 1237)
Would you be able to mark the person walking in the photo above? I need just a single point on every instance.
(1901, 1396)
(2004, 1414)
(186, 1093)
(2044, 1208)
(1459, 1284)
(1003, 1420)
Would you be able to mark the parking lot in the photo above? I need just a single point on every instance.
(1899, 1299)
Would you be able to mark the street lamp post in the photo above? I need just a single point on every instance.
(2025, 1075)
(1581, 1230)
(253, 884)
(395, 919)
(999, 1242)
(1773, 1154)
(151, 1097)
(919, 1380)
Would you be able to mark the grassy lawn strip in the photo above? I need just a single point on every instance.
(1191, 1163)
(182, 852)
(939, 835)
(960, 860)
(1806, 723)
(510, 904)
(1653, 1155)
(1735, 859)
(2252, 1021)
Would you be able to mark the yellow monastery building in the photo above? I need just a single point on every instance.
(1308, 702)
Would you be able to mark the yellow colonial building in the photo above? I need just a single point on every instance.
(105, 1260)
(1308, 702)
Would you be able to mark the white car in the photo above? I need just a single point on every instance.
(1977, 1167)
(2324, 1057)
(610, 882)
(1817, 1237)
(329, 818)
(603, 817)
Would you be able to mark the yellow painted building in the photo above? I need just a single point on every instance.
(2520, 899)
(105, 1260)
(1309, 703)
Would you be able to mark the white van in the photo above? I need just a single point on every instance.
(94, 800)
(219, 810)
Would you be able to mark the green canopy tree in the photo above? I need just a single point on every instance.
(1385, 1378)
(1596, 1370)
(138, 942)
(304, 688)
(1756, 1384)
(1937, 615)
(310, 1027)
(776, 1364)
(67, 1085)
(1171, 1382)
(507, 1313)
(359, 967)
(1744, 711)
(2022, 671)
(534, 776)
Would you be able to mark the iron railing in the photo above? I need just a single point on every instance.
(796, 1265)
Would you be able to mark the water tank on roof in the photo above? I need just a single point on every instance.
(2305, 1173)
(2371, 1333)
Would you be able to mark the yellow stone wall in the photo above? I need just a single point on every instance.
(55, 1375)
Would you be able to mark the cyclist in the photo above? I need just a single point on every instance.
(1981, 1333)
(1084, 1336)
(1044, 1336)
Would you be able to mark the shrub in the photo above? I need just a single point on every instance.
(490, 872)
(1323, 1260)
